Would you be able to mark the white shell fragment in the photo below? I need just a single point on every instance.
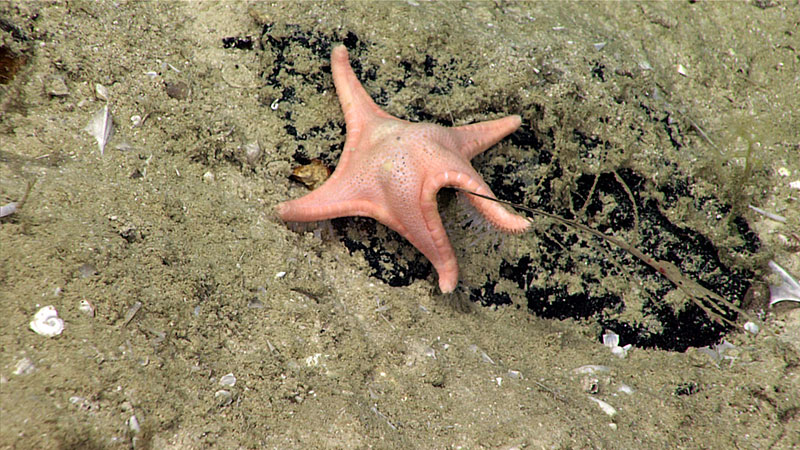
(86, 308)
(101, 126)
(47, 323)
(625, 389)
(252, 152)
(611, 340)
(101, 92)
(133, 425)
(228, 380)
(608, 409)
(9, 209)
(788, 290)
(717, 352)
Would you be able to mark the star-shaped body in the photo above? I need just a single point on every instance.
(391, 170)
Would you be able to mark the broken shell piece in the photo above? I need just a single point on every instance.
(133, 425)
(788, 290)
(101, 92)
(101, 127)
(611, 340)
(46, 322)
(312, 174)
(9, 209)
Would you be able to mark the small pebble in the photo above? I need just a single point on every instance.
(177, 90)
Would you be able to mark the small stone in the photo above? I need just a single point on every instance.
(252, 152)
(57, 87)
(177, 90)
(87, 270)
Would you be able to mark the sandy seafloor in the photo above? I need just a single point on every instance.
(174, 215)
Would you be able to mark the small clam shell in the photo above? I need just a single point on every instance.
(86, 308)
(47, 323)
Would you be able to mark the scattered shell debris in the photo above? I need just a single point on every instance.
(46, 322)
(611, 340)
(228, 380)
(717, 352)
(788, 290)
(101, 126)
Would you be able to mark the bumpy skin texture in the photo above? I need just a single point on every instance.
(391, 170)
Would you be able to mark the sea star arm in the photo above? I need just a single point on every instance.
(442, 255)
(329, 201)
(358, 107)
(477, 137)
